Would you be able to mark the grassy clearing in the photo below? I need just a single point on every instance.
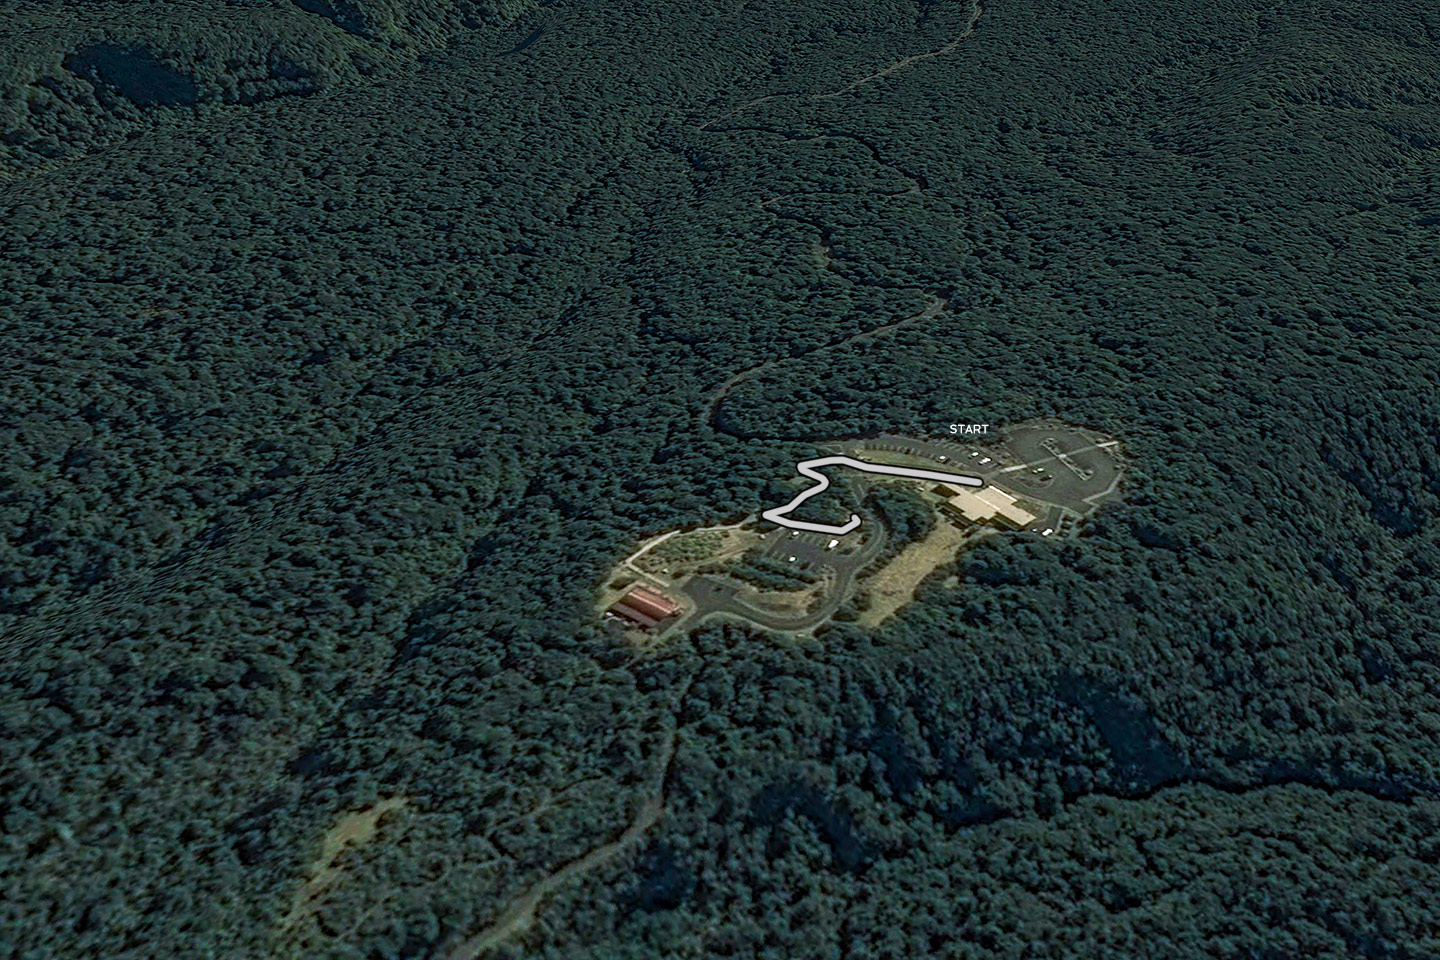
(693, 548)
(894, 585)
(788, 602)
(352, 830)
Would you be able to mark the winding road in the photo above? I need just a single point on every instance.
(810, 469)
(519, 914)
(939, 298)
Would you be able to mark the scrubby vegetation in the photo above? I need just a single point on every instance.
(325, 414)
(769, 573)
(907, 516)
(689, 547)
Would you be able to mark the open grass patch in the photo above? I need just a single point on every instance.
(354, 829)
(894, 585)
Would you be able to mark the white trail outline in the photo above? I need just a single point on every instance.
(808, 468)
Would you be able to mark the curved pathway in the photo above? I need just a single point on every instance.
(809, 468)
(939, 299)
(854, 85)
(520, 913)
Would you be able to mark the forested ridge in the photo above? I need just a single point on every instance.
(348, 346)
(84, 76)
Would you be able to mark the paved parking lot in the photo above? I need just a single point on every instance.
(1065, 469)
(720, 595)
(1058, 465)
(959, 455)
(1079, 467)
(808, 549)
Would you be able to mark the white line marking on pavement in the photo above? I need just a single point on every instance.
(808, 468)
(1068, 453)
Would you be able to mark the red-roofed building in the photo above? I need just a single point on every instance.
(645, 606)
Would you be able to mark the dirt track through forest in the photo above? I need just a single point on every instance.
(880, 74)
(519, 914)
(939, 299)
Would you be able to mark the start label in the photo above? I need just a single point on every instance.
(970, 429)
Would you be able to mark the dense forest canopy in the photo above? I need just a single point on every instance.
(350, 343)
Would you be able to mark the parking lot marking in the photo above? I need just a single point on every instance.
(1068, 453)
(808, 468)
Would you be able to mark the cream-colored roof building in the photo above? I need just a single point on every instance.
(988, 503)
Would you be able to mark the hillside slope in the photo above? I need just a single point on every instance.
(327, 413)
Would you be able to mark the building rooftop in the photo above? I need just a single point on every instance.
(645, 606)
(988, 503)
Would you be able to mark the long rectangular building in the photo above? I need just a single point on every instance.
(645, 607)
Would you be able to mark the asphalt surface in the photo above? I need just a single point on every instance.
(1068, 469)
(714, 595)
(1023, 461)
